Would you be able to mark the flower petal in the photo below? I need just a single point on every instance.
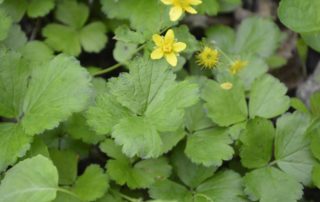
(191, 10)
(195, 2)
(157, 54)
(175, 13)
(169, 37)
(157, 39)
(171, 59)
(179, 46)
(167, 2)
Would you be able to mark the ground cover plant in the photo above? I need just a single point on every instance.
(159, 100)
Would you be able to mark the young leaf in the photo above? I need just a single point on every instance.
(92, 184)
(214, 188)
(258, 36)
(215, 147)
(270, 184)
(225, 107)
(38, 8)
(292, 151)
(300, 15)
(34, 179)
(13, 144)
(257, 140)
(267, 98)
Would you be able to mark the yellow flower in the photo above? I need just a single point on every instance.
(181, 6)
(238, 65)
(226, 85)
(208, 57)
(167, 47)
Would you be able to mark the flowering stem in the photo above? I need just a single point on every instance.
(106, 70)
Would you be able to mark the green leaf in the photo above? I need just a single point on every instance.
(169, 190)
(189, 173)
(314, 103)
(229, 5)
(125, 34)
(124, 51)
(62, 38)
(225, 107)
(312, 39)
(316, 175)
(148, 17)
(15, 8)
(267, 97)
(38, 147)
(270, 184)
(292, 152)
(222, 36)
(215, 187)
(16, 38)
(215, 147)
(140, 175)
(76, 126)
(298, 105)
(109, 147)
(72, 13)
(300, 15)
(34, 179)
(257, 140)
(258, 36)
(92, 184)
(182, 34)
(210, 7)
(93, 37)
(106, 113)
(5, 24)
(196, 118)
(37, 51)
(55, 91)
(14, 143)
(14, 74)
(138, 137)
(38, 8)
(66, 161)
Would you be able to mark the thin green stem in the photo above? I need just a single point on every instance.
(107, 70)
(129, 198)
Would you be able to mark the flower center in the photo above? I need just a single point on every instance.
(167, 48)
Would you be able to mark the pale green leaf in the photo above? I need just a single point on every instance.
(312, 39)
(124, 51)
(14, 143)
(38, 147)
(93, 37)
(37, 51)
(72, 13)
(215, 147)
(270, 184)
(15, 8)
(300, 15)
(222, 36)
(34, 179)
(16, 38)
(148, 17)
(210, 7)
(182, 34)
(196, 118)
(292, 152)
(55, 91)
(267, 97)
(257, 140)
(105, 114)
(316, 175)
(125, 34)
(138, 136)
(62, 38)
(223, 186)
(225, 107)
(92, 184)
(257, 35)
